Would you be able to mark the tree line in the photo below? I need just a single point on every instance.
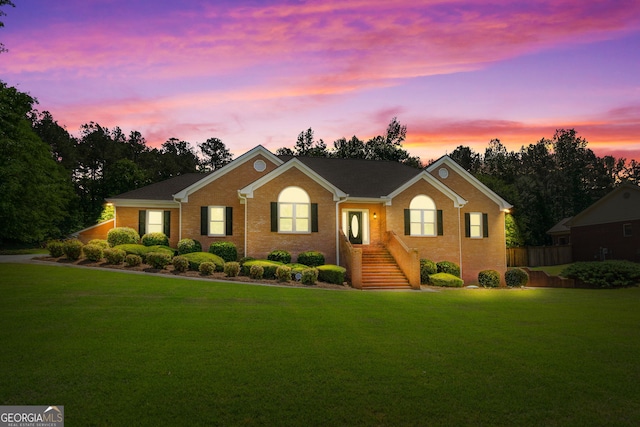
(53, 183)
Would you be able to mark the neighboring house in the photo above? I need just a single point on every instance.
(561, 233)
(610, 228)
(340, 207)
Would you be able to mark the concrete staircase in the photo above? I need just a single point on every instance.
(380, 270)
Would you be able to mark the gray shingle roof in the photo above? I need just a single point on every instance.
(163, 190)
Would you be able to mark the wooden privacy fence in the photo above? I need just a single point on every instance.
(537, 256)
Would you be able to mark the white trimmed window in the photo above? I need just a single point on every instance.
(423, 219)
(217, 221)
(294, 211)
(155, 221)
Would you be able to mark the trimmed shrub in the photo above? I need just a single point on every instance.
(280, 256)
(122, 236)
(516, 277)
(225, 250)
(92, 252)
(231, 269)
(143, 250)
(446, 280)
(197, 258)
(245, 259)
(331, 273)
(283, 273)
(427, 268)
(256, 272)
(115, 256)
(311, 258)
(180, 264)
(187, 246)
(55, 248)
(489, 279)
(207, 268)
(158, 260)
(72, 249)
(100, 242)
(155, 239)
(269, 267)
(448, 267)
(604, 274)
(133, 260)
(309, 276)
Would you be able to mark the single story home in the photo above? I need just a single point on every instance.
(368, 216)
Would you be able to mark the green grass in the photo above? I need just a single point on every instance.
(124, 349)
(552, 270)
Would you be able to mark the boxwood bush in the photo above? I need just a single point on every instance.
(279, 256)
(605, 274)
(448, 267)
(489, 278)
(231, 269)
(331, 274)
(269, 267)
(155, 239)
(72, 249)
(310, 276)
(207, 268)
(158, 260)
(256, 272)
(92, 252)
(445, 279)
(197, 258)
(180, 264)
(283, 273)
(132, 260)
(100, 242)
(115, 256)
(186, 246)
(143, 250)
(55, 248)
(311, 258)
(122, 236)
(427, 268)
(516, 277)
(225, 250)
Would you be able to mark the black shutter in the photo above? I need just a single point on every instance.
(274, 216)
(407, 222)
(167, 223)
(440, 224)
(142, 223)
(485, 225)
(204, 220)
(467, 225)
(314, 217)
(228, 218)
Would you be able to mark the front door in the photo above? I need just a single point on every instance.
(355, 228)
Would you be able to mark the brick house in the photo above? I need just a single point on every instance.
(345, 208)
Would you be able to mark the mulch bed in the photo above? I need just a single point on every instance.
(169, 270)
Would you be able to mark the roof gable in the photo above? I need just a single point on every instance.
(183, 195)
(424, 175)
(621, 204)
(248, 190)
(449, 162)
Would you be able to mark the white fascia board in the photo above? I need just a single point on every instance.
(457, 200)
(449, 162)
(383, 199)
(141, 203)
(183, 196)
(293, 163)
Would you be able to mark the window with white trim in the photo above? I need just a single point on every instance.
(217, 221)
(422, 216)
(475, 225)
(294, 211)
(155, 221)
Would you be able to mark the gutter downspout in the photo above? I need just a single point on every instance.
(460, 239)
(338, 229)
(244, 198)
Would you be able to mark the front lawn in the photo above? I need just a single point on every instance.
(126, 349)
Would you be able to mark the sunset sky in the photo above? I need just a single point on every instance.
(260, 72)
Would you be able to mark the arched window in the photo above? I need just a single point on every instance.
(423, 216)
(294, 211)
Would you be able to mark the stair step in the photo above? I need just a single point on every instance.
(380, 271)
